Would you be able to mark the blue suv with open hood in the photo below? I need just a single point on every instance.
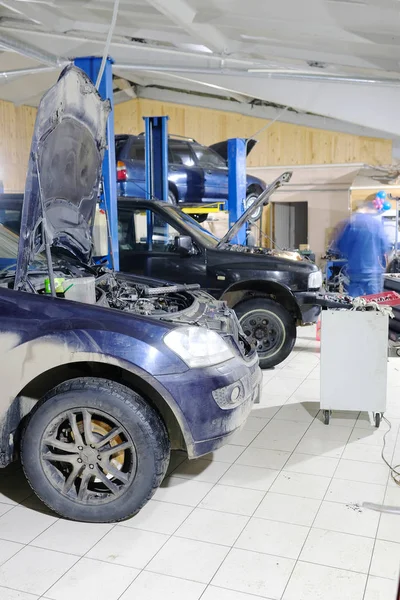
(103, 373)
(197, 174)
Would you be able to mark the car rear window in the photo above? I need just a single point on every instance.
(119, 145)
(136, 151)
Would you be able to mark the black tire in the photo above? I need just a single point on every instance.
(172, 198)
(378, 418)
(201, 217)
(107, 486)
(270, 327)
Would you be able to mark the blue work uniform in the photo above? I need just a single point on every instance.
(362, 241)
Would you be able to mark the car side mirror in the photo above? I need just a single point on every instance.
(184, 244)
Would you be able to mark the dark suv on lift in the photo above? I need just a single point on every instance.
(197, 174)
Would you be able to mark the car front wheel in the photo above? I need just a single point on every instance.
(94, 450)
(269, 327)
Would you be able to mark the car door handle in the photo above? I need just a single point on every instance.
(173, 168)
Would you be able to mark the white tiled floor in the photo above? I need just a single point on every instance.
(275, 514)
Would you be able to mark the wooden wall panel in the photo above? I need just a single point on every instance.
(281, 144)
(16, 129)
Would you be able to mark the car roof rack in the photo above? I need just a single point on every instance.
(174, 136)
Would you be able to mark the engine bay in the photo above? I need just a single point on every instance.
(289, 254)
(103, 287)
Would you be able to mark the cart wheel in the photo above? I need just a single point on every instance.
(378, 417)
(327, 416)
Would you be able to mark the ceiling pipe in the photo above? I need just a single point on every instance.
(268, 73)
(28, 71)
(10, 43)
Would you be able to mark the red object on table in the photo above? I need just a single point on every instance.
(387, 298)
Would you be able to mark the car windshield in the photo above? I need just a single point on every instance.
(202, 235)
(9, 252)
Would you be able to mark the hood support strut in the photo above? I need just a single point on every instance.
(45, 232)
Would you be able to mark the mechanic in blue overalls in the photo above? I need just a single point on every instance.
(363, 242)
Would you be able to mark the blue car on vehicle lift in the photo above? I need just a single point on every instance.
(103, 373)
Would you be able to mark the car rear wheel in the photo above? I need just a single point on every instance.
(94, 450)
(250, 199)
(172, 198)
(270, 327)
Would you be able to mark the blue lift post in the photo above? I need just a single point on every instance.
(237, 154)
(91, 66)
(156, 161)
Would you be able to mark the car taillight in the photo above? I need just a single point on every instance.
(121, 171)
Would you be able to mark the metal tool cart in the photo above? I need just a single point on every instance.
(354, 358)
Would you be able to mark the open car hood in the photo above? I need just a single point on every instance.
(64, 170)
(222, 148)
(262, 199)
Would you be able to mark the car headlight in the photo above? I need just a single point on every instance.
(198, 347)
(315, 280)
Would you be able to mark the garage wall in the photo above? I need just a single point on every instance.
(281, 144)
(16, 129)
(326, 189)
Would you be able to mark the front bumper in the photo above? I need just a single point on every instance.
(209, 423)
(311, 304)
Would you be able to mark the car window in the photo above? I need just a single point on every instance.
(208, 158)
(11, 218)
(136, 151)
(119, 146)
(139, 228)
(181, 154)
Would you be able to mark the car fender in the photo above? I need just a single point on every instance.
(237, 292)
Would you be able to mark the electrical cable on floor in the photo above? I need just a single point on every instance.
(108, 44)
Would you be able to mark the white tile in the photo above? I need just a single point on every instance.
(371, 436)
(267, 408)
(227, 454)
(254, 573)
(225, 498)
(311, 465)
(319, 446)
(288, 509)
(188, 559)
(243, 437)
(14, 489)
(160, 517)
(93, 580)
(354, 470)
(181, 491)
(354, 492)
(256, 424)
(392, 496)
(8, 549)
(212, 526)
(380, 589)
(253, 478)
(22, 524)
(386, 560)
(273, 537)
(310, 389)
(299, 484)
(337, 433)
(64, 535)
(176, 459)
(304, 412)
(128, 547)
(8, 594)
(260, 457)
(363, 452)
(281, 385)
(280, 435)
(315, 373)
(339, 550)
(151, 586)
(290, 371)
(315, 582)
(217, 593)
(389, 528)
(201, 470)
(34, 570)
(347, 518)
